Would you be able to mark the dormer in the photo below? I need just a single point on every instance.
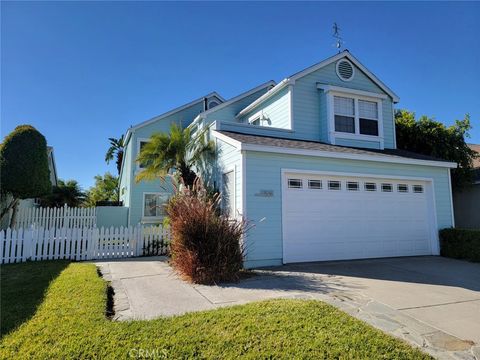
(337, 101)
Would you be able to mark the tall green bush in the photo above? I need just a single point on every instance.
(24, 169)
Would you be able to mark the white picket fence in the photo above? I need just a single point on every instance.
(81, 243)
(48, 218)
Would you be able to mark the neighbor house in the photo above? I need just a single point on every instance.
(312, 162)
(466, 201)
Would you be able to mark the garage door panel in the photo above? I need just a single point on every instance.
(323, 224)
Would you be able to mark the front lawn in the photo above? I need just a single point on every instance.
(71, 323)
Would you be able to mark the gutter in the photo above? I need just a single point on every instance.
(282, 84)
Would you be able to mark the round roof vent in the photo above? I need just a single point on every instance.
(345, 70)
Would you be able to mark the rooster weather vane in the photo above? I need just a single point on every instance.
(337, 37)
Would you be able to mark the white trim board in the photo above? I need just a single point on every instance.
(330, 154)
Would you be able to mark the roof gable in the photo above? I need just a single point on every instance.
(346, 54)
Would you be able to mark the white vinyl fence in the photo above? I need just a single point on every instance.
(81, 243)
(47, 218)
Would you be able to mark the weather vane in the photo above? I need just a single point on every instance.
(338, 38)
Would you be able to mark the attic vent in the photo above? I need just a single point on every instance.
(345, 70)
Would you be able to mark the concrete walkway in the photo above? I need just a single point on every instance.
(431, 302)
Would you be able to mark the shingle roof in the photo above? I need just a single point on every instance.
(321, 146)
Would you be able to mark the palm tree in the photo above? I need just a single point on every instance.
(177, 153)
(115, 150)
(64, 193)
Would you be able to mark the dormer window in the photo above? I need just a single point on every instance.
(344, 114)
(212, 104)
(368, 114)
(355, 116)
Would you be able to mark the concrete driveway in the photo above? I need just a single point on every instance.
(432, 302)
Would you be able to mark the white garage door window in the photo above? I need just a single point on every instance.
(342, 217)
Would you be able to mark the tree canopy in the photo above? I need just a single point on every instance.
(105, 189)
(430, 137)
(65, 193)
(24, 163)
(179, 152)
(116, 151)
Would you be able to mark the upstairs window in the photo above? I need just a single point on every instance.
(368, 114)
(141, 145)
(356, 115)
(344, 114)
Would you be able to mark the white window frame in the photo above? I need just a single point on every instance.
(261, 117)
(151, 218)
(234, 190)
(139, 141)
(356, 95)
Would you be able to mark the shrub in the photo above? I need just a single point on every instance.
(24, 163)
(205, 245)
(460, 244)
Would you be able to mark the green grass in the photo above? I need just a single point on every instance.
(22, 288)
(71, 323)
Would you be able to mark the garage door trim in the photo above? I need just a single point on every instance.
(429, 192)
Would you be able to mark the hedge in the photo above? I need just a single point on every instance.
(460, 244)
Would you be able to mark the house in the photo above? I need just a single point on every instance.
(312, 162)
(467, 201)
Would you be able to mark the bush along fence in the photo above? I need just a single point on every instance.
(48, 218)
(81, 243)
(460, 244)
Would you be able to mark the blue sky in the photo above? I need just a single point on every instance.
(84, 71)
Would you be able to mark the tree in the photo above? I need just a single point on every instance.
(24, 171)
(430, 137)
(177, 152)
(116, 150)
(105, 189)
(65, 193)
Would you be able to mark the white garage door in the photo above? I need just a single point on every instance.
(336, 217)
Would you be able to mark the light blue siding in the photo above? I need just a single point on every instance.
(276, 109)
(112, 216)
(137, 189)
(264, 243)
(357, 143)
(229, 112)
(310, 105)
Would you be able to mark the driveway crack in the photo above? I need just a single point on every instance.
(442, 304)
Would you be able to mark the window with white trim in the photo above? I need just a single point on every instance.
(387, 187)
(368, 117)
(418, 189)
(370, 186)
(295, 183)
(344, 110)
(141, 144)
(315, 184)
(357, 115)
(403, 188)
(334, 185)
(353, 186)
(154, 205)
(228, 193)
